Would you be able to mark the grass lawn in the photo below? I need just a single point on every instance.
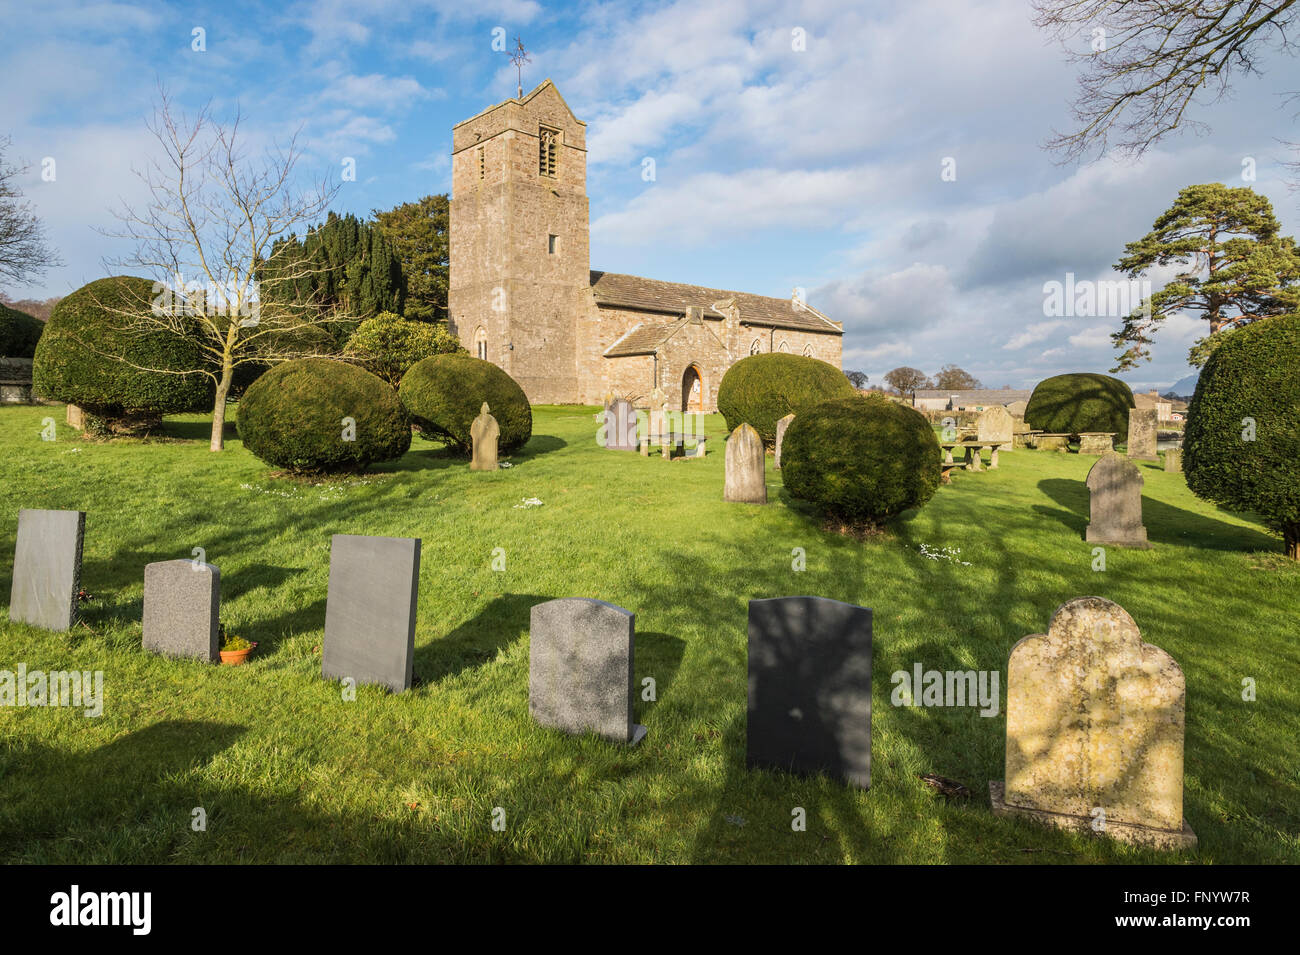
(288, 772)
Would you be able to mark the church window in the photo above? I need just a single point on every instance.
(548, 150)
(480, 343)
(755, 348)
(807, 350)
(552, 244)
(784, 347)
(482, 164)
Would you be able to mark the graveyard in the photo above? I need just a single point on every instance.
(464, 764)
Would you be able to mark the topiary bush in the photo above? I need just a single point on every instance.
(293, 417)
(94, 354)
(1241, 446)
(1070, 404)
(388, 345)
(862, 460)
(19, 333)
(445, 393)
(762, 389)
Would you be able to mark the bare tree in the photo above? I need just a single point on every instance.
(207, 235)
(24, 253)
(1149, 59)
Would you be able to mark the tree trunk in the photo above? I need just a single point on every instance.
(218, 442)
(1291, 537)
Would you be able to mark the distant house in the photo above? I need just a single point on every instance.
(1164, 407)
(936, 400)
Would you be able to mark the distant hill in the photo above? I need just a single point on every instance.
(1183, 387)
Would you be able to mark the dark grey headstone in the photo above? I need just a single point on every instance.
(810, 687)
(47, 568)
(370, 612)
(182, 609)
(580, 668)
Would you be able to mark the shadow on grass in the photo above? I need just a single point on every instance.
(476, 641)
(1165, 523)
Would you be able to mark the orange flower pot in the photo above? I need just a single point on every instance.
(234, 658)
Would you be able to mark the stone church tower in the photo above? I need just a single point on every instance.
(522, 294)
(518, 239)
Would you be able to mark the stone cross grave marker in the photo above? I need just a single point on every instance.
(1095, 729)
(780, 437)
(1142, 434)
(580, 657)
(809, 700)
(1115, 486)
(745, 480)
(370, 610)
(484, 433)
(47, 568)
(182, 609)
(995, 424)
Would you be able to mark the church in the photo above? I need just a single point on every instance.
(523, 294)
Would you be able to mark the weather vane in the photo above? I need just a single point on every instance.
(519, 56)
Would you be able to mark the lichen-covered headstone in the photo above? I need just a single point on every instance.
(1174, 460)
(580, 658)
(809, 697)
(996, 424)
(1142, 434)
(1115, 486)
(47, 568)
(1095, 729)
(484, 432)
(780, 437)
(620, 426)
(182, 609)
(370, 610)
(744, 467)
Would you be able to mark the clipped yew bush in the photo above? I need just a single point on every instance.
(861, 461)
(1241, 447)
(762, 389)
(19, 333)
(319, 416)
(1083, 401)
(95, 354)
(445, 393)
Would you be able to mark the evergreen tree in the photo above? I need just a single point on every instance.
(418, 232)
(1236, 269)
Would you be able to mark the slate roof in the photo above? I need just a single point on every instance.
(614, 290)
(642, 339)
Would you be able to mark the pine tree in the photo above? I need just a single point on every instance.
(1236, 268)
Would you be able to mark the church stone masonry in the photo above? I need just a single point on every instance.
(523, 295)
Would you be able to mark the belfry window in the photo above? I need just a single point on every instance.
(548, 151)
(480, 343)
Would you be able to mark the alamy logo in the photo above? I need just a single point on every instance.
(103, 908)
(947, 688)
(57, 688)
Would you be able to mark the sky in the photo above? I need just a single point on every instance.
(886, 158)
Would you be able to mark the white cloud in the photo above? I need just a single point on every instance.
(1032, 334)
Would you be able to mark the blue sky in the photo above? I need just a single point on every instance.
(775, 167)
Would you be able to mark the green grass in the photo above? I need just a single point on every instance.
(288, 772)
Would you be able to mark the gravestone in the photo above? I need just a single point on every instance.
(1115, 487)
(1095, 729)
(47, 568)
(1142, 434)
(780, 437)
(809, 700)
(75, 417)
(620, 426)
(744, 466)
(996, 424)
(1174, 460)
(182, 609)
(370, 610)
(580, 655)
(1096, 442)
(484, 433)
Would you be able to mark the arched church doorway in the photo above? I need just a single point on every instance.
(693, 391)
